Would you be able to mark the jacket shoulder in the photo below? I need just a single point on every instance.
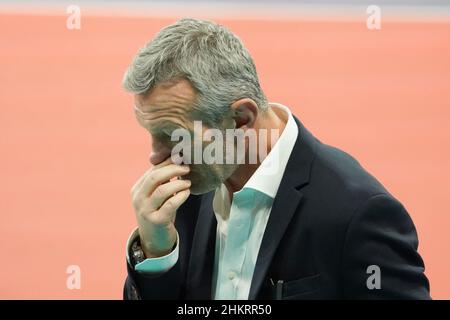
(340, 184)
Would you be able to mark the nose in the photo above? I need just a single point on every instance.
(159, 154)
(156, 158)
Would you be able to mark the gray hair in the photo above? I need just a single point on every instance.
(209, 56)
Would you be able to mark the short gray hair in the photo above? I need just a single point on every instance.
(209, 56)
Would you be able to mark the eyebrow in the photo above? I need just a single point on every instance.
(165, 129)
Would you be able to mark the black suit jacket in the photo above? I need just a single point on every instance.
(329, 222)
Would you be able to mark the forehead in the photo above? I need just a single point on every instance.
(178, 93)
(165, 104)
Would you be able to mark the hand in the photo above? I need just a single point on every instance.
(156, 199)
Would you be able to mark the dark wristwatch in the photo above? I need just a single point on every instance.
(138, 254)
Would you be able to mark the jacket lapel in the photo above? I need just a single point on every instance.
(200, 271)
(285, 204)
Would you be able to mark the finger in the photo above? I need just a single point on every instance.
(164, 163)
(170, 207)
(161, 175)
(167, 190)
(138, 183)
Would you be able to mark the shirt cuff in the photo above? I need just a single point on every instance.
(153, 265)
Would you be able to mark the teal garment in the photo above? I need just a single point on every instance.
(237, 243)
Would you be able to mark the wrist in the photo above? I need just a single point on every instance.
(163, 243)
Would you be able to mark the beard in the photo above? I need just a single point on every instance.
(205, 178)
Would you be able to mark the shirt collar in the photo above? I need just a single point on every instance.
(266, 179)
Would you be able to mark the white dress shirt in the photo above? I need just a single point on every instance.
(241, 222)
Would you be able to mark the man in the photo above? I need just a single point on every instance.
(303, 221)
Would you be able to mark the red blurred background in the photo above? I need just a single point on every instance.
(71, 148)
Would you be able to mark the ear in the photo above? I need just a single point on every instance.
(245, 112)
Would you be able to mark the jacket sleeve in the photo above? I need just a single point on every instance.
(171, 284)
(165, 286)
(156, 280)
(379, 257)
